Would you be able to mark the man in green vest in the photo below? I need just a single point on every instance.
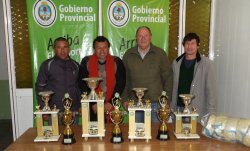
(193, 74)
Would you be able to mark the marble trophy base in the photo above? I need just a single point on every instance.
(44, 139)
(116, 138)
(186, 136)
(68, 139)
(162, 135)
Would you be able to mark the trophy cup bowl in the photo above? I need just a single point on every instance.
(46, 97)
(92, 84)
(163, 116)
(68, 119)
(116, 117)
(186, 98)
(139, 93)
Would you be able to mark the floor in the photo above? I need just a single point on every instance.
(6, 136)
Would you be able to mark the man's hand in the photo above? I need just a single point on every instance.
(107, 107)
(94, 108)
(45, 117)
(125, 105)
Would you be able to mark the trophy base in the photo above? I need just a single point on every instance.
(116, 138)
(162, 135)
(68, 139)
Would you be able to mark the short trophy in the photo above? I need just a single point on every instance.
(92, 128)
(186, 120)
(116, 117)
(68, 119)
(139, 130)
(50, 131)
(163, 115)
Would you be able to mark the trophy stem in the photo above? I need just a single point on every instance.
(186, 110)
(93, 95)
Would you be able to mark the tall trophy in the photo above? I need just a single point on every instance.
(68, 119)
(92, 128)
(163, 115)
(116, 117)
(139, 130)
(46, 132)
(186, 120)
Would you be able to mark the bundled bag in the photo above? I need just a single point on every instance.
(227, 129)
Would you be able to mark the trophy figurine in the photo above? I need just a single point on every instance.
(116, 117)
(186, 120)
(68, 119)
(92, 84)
(46, 97)
(139, 93)
(163, 115)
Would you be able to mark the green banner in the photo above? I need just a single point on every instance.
(122, 18)
(76, 20)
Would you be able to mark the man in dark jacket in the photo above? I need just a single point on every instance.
(60, 75)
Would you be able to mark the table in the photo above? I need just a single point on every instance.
(26, 142)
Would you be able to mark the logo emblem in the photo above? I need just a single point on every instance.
(118, 13)
(44, 13)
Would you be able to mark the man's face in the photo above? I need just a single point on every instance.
(101, 50)
(191, 47)
(143, 38)
(62, 50)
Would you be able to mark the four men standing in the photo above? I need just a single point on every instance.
(146, 66)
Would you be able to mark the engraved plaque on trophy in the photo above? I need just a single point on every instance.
(92, 128)
(116, 117)
(163, 115)
(139, 130)
(68, 119)
(186, 120)
(50, 131)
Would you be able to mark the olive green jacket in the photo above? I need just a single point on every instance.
(154, 72)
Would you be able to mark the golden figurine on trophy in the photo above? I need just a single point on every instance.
(49, 132)
(116, 117)
(163, 115)
(186, 121)
(68, 119)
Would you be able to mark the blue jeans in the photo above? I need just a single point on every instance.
(139, 115)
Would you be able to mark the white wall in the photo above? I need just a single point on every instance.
(232, 56)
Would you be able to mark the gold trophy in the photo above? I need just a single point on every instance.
(116, 117)
(46, 132)
(68, 119)
(139, 129)
(186, 120)
(163, 115)
(92, 84)
(92, 128)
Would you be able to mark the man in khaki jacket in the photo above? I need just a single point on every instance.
(147, 66)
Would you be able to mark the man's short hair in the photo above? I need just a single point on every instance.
(60, 39)
(100, 39)
(191, 36)
(143, 27)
